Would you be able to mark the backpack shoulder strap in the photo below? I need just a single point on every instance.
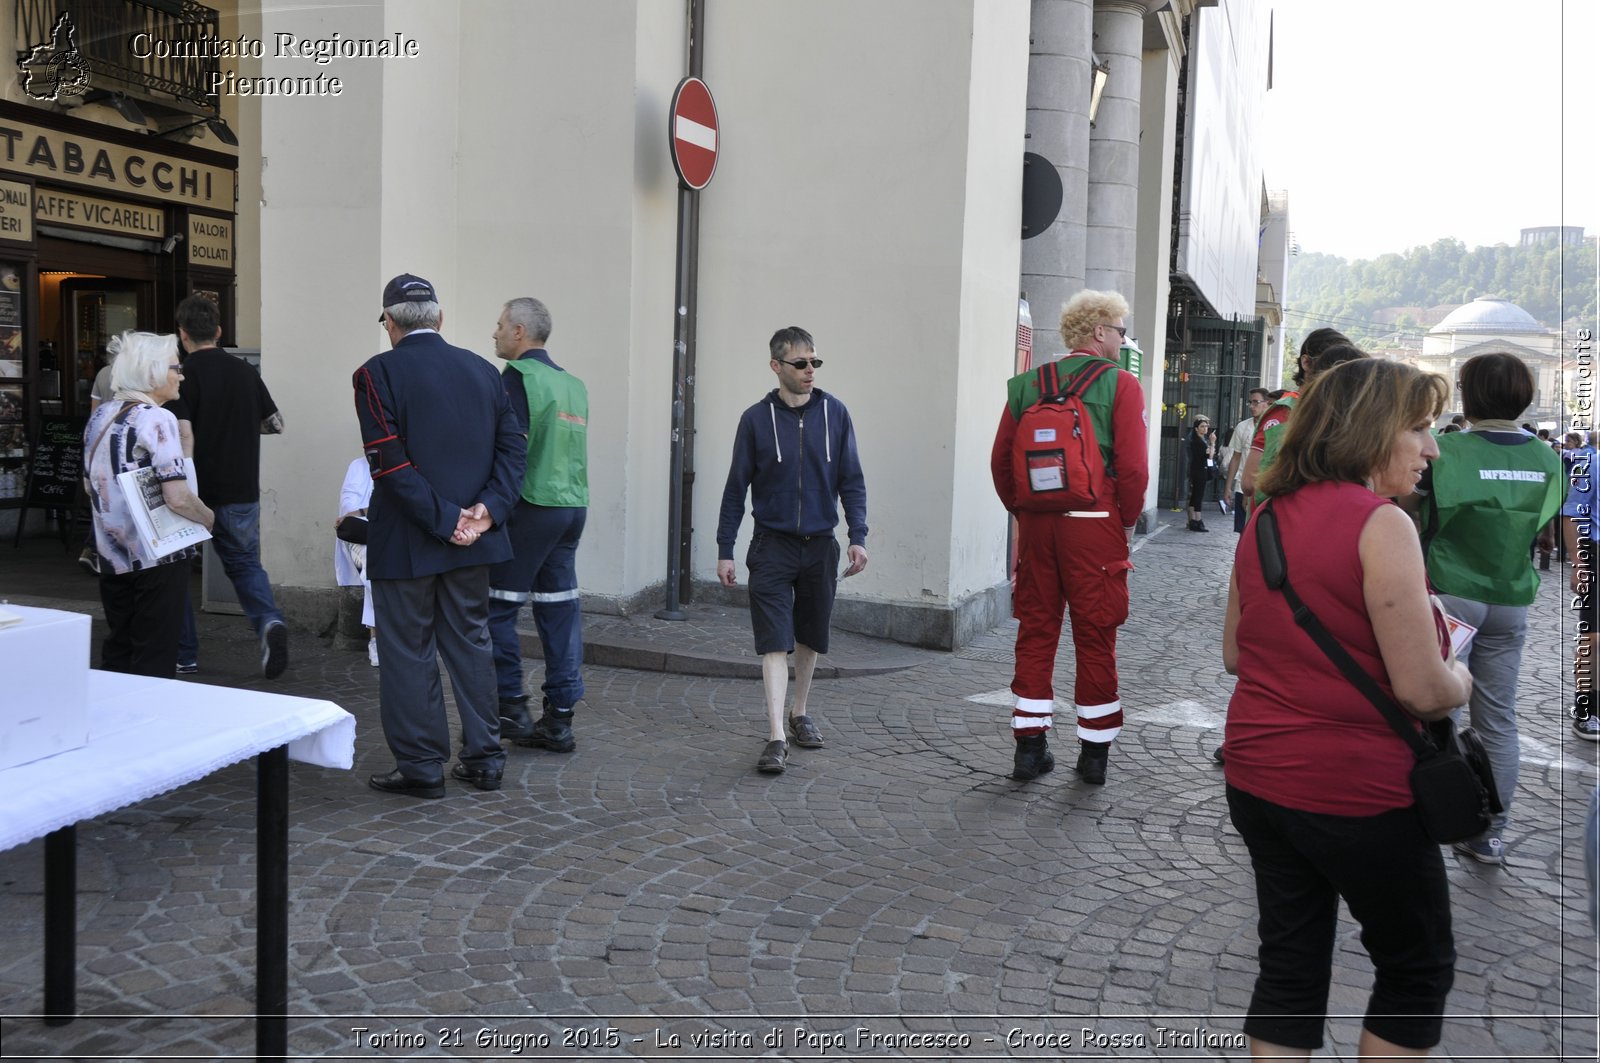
(1087, 377)
(1048, 380)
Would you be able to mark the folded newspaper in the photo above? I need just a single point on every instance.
(161, 531)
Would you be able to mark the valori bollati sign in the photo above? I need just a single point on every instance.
(51, 155)
(210, 242)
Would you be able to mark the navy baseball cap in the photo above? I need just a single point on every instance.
(406, 288)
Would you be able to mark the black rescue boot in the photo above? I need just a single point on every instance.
(515, 724)
(1033, 758)
(1092, 761)
(552, 731)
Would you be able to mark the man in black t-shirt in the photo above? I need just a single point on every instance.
(231, 410)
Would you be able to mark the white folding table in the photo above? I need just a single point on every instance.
(148, 736)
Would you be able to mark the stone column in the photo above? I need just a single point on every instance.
(1058, 124)
(1113, 188)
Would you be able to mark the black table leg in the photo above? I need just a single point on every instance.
(272, 903)
(61, 926)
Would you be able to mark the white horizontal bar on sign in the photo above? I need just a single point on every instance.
(692, 132)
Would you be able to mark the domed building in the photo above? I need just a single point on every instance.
(1491, 323)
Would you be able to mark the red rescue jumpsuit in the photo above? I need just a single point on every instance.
(1075, 561)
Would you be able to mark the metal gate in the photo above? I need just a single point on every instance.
(1209, 369)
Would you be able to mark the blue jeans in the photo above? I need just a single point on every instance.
(544, 572)
(236, 537)
(1494, 657)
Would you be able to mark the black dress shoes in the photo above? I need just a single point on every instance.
(396, 783)
(482, 778)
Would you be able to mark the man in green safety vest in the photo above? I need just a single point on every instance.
(553, 408)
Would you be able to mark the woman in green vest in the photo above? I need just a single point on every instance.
(1487, 495)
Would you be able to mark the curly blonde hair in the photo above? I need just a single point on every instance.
(1086, 310)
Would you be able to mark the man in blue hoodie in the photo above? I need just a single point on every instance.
(795, 453)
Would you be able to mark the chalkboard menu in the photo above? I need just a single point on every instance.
(56, 466)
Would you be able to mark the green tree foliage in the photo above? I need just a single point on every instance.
(1553, 282)
(1291, 362)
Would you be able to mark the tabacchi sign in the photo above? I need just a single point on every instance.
(55, 156)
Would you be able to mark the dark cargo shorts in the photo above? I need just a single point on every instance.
(792, 583)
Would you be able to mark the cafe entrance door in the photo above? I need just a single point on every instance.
(92, 311)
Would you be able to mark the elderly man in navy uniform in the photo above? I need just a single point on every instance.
(446, 460)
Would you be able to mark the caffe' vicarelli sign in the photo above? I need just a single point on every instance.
(67, 158)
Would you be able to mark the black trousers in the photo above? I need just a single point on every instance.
(1393, 879)
(144, 611)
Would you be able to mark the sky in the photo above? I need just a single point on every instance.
(1395, 123)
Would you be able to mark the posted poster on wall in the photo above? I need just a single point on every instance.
(10, 321)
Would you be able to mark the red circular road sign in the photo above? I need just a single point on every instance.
(693, 134)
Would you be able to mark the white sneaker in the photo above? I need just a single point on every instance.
(372, 651)
(1587, 728)
(1487, 851)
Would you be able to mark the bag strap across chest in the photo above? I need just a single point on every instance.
(1052, 387)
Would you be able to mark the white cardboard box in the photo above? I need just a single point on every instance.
(44, 684)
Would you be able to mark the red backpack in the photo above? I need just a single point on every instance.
(1056, 462)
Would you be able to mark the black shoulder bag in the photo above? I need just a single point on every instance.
(1452, 785)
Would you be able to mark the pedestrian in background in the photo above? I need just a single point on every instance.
(796, 479)
(1238, 446)
(1489, 492)
(1272, 421)
(142, 594)
(350, 545)
(1202, 464)
(551, 409)
(231, 410)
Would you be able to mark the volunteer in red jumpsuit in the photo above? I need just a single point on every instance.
(1077, 560)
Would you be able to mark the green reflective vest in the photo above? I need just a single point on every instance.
(1272, 438)
(558, 436)
(1488, 502)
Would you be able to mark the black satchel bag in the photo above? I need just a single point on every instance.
(352, 529)
(1452, 785)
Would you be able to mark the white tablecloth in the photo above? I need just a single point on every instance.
(148, 736)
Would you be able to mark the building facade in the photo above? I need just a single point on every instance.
(870, 161)
(1490, 323)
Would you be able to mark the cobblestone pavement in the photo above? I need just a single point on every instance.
(650, 895)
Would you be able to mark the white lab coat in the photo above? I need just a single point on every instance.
(350, 559)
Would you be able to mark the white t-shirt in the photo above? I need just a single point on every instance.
(1239, 444)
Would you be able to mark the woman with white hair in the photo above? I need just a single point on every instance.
(142, 594)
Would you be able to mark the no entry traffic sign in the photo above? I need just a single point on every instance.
(694, 134)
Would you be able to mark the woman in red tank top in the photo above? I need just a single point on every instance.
(1318, 782)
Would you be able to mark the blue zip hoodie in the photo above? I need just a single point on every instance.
(794, 462)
